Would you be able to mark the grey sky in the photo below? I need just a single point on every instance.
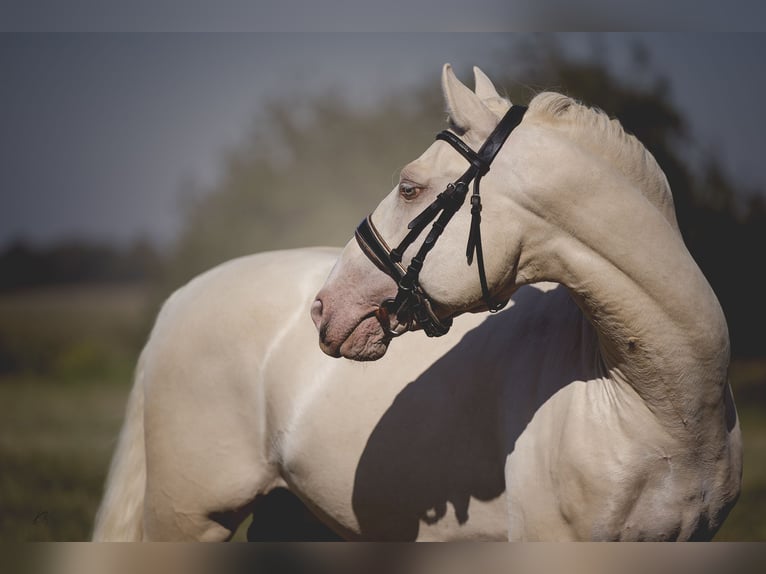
(98, 131)
(388, 16)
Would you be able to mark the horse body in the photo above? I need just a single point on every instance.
(439, 440)
(233, 399)
(595, 406)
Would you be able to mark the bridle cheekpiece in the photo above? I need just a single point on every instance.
(412, 305)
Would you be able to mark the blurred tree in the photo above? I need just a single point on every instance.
(311, 169)
(306, 175)
(723, 226)
(24, 265)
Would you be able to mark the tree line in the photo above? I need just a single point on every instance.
(25, 265)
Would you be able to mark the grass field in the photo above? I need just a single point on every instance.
(72, 353)
(55, 445)
(66, 359)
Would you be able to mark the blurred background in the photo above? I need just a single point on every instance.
(131, 162)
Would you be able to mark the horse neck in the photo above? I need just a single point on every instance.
(659, 325)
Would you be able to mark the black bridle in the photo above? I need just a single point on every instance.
(412, 304)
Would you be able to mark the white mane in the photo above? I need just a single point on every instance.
(595, 130)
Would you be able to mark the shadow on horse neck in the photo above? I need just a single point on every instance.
(446, 436)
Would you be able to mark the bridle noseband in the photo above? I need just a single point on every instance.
(412, 304)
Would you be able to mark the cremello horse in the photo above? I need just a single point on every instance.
(611, 408)
(528, 424)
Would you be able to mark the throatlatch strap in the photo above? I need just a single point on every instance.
(480, 162)
(449, 201)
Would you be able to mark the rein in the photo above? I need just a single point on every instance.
(412, 305)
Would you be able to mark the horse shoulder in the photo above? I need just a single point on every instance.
(203, 375)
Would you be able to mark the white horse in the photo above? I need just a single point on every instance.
(526, 424)
(612, 410)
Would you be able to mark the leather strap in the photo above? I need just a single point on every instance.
(410, 294)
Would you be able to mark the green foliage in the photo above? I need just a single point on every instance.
(71, 334)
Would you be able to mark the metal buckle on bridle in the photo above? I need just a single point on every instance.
(412, 305)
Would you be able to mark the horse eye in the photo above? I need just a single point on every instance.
(409, 191)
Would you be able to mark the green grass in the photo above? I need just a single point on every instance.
(55, 446)
(66, 361)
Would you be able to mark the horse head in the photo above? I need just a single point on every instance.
(347, 311)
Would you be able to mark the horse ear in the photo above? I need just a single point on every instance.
(485, 89)
(466, 110)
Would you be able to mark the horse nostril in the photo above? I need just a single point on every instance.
(316, 312)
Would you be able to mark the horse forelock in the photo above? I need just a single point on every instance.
(604, 136)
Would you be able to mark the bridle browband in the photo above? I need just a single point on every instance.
(412, 304)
